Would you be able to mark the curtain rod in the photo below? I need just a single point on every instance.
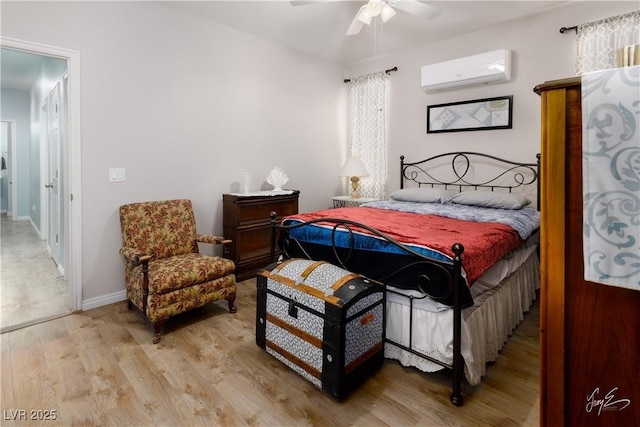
(386, 71)
(624, 15)
(565, 29)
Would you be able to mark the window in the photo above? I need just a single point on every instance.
(368, 130)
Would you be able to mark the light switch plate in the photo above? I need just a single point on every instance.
(116, 174)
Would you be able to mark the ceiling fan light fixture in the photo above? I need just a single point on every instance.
(364, 16)
(386, 12)
(374, 7)
(386, 9)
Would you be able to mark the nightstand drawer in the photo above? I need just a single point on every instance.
(247, 223)
(259, 211)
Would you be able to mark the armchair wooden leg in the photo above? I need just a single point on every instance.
(232, 307)
(157, 327)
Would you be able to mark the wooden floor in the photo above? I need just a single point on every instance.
(99, 367)
(31, 287)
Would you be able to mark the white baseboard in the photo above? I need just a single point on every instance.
(33, 224)
(96, 302)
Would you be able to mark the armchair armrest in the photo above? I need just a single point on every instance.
(204, 238)
(226, 243)
(133, 258)
(134, 255)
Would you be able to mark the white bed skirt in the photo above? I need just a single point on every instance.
(485, 328)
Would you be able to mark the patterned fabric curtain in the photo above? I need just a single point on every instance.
(368, 130)
(598, 41)
(611, 176)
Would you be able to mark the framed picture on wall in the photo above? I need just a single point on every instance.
(478, 114)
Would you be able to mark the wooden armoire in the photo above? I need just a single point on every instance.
(589, 332)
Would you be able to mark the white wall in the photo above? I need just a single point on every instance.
(184, 105)
(540, 53)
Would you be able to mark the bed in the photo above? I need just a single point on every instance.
(455, 247)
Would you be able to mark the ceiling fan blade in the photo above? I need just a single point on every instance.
(355, 27)
(416, 8)
(356, 24)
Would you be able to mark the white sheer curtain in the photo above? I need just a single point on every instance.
(598, 41)
(368, 129)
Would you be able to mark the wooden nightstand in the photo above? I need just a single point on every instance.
(348, 201)
(245, 220)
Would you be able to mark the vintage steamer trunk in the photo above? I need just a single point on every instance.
(325, 323)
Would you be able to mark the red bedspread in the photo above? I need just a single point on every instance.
(484, 243)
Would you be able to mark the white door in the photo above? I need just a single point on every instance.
(53, 185)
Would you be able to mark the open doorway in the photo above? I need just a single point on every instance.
(40, 229)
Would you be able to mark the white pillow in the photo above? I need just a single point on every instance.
(422, 195)
(490, 199)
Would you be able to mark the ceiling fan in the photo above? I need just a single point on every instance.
(383, 8)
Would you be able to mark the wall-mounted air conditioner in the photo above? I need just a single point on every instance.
(484, 68)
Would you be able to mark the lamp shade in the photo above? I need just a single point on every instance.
(354, 166)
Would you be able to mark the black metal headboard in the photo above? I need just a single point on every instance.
(458, 170)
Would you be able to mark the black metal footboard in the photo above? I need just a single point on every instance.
(441, 280)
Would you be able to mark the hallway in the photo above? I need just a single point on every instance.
(31, 287)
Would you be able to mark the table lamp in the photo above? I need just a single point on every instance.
(354, 168)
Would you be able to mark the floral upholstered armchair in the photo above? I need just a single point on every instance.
(164, 272)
